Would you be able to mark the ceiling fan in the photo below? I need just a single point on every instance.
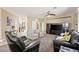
(49, 13)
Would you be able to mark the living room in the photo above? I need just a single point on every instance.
(36, 26)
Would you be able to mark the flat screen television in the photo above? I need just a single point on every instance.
(56, 27)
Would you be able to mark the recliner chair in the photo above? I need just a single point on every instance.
(12, 44)
(17, 44)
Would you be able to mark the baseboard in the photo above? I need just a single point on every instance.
(4, 42)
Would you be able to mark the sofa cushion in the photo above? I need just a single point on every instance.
(75, 39)
(73, 36)
(21, 44)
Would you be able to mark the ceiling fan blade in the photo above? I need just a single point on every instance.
(53, 14)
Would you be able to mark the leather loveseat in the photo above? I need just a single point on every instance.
(73, 43)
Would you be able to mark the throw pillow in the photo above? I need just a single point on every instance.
(66, 38)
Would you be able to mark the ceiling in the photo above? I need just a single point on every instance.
(39, 11)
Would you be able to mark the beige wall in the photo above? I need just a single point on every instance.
(4, 27)
(42, 24)
(60, 21)
(0, 26)
(74, 21)
(78, 20)
(29, 23)
(71, 20)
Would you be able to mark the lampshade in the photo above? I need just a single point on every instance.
(65, 24)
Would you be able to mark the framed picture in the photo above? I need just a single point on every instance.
(9, 21)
